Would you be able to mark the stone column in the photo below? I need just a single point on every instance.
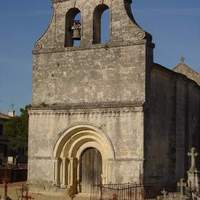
(73, 174)
(104, 172)
(73, 168)
(69, 173)
(78, 175)
(64, 169)
(57, 172)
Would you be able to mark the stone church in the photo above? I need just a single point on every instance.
(105, 112)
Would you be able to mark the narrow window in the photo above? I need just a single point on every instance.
(1, 129)
(101, 24)
(73, 28)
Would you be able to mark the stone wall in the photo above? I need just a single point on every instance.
(107, 85)
(115, 74)
(148, 113)
(160, 122)
(172, 118)
(123, 27)
(103, 85)
(123, 127)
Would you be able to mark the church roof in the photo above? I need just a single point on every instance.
(4, 116)
(184, 69)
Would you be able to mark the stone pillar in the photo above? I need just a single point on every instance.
(57, 172)
(104, 172)
(64, 169)
(78, 175)
(69, 173)
(73, 170)
(73, 174)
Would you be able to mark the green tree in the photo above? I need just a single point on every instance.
(16, 131)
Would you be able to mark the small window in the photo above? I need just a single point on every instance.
(101, 24)
(73, 28)
(1, 129)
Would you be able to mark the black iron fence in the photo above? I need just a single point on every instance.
(127, 191)
(13, 174)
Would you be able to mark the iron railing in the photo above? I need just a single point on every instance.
(126, 191)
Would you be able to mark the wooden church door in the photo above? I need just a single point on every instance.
(90, 169)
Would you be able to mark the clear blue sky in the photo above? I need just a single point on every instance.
(174, 24)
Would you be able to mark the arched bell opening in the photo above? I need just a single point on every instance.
(101, 24)
(73, 28)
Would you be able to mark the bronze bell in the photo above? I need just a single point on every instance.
(76, 34)
(76, 28)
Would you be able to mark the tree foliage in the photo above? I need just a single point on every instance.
(16, 131)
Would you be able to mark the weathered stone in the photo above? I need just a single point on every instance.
(140, 116)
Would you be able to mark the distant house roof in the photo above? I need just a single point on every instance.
(4, 116)
(184, 69)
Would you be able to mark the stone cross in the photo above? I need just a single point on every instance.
(164, 193)
(193, 154)
(182, 59)
(181, 184)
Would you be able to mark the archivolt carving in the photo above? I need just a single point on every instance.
(69, 148)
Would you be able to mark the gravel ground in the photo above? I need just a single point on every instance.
(14, 192)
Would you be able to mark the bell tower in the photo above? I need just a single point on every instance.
(66, 29)
(90, 95)
(123, 27)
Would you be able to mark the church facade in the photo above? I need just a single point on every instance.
(106, 113)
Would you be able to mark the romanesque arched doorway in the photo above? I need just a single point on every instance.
(82, 155)
(90, 169)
